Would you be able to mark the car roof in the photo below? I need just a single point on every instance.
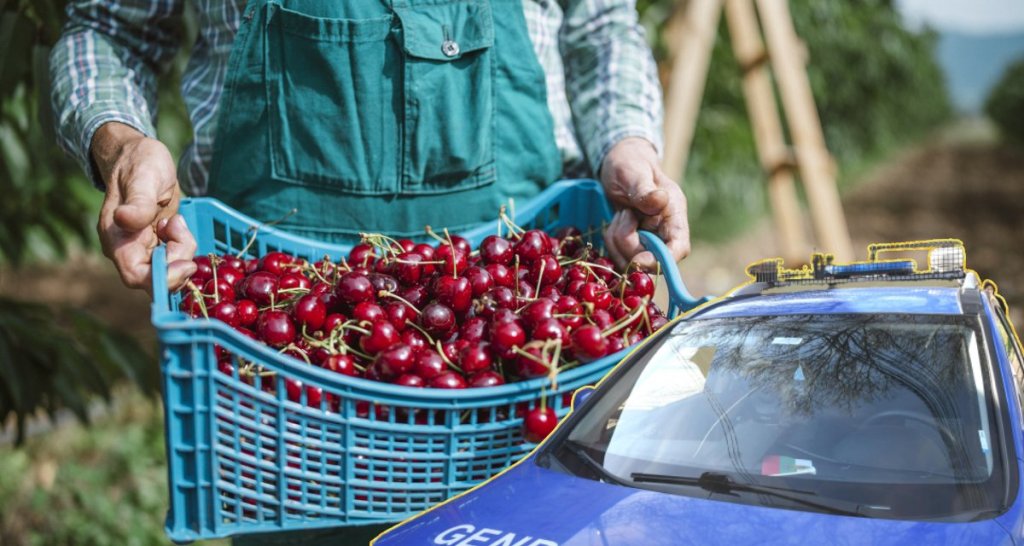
(887, 298)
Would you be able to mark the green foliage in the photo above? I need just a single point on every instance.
(49, 358)
(48, 205)
(876, 85)
(1005, 103)
(106, 485)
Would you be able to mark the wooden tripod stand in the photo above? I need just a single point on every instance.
(786, 56)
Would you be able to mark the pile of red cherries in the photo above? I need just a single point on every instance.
(443, 316)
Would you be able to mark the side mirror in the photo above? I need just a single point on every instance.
(581, 395)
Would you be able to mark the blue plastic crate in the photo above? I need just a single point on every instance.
(242, 460)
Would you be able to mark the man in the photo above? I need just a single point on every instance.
(601, 92)
(364, 115)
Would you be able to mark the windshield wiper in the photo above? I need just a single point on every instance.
(720, 483)
(581, 453)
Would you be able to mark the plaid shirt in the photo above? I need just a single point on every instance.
(601, 79)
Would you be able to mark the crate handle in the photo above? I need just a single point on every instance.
(161, 297)
(679, 297)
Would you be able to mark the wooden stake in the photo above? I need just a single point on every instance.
(692, 48)
(768, 136)
(787, 55)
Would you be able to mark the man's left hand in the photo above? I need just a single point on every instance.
(646, 198)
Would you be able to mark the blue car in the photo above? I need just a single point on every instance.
(867, 403)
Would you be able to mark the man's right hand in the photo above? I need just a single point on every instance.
(140, 207)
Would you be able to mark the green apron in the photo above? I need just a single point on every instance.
(370, 115)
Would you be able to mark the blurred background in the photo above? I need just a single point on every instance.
(922, 105)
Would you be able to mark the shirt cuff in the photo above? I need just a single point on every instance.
(90, 119)
(598, 148)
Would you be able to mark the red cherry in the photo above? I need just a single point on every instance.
(292, 280)
(343, 364)
(460, 243)
(399, 314)
(226, 312)
(275, 328)
(546, 269)
(501, 275)
(437, 319)
(310, 312)
(414, 339)
(416, 295)
(473, 329)
(232, 275)
(260, 287)
(275, 262)
(334, 320)
(455, 292)
(525, 290)
(354, 288)
(361, 255)
(219, 291)
(534, 365)
(381, 281)
(382, 336)
(615, 344)
(475, 358)
(248, 312)
(453, 261)
(538, 424)
(496, 250)
(532, 245)
(410, 380)
(407, 269)
(204, 270)
(602, 318)
(569, 311)
(505, 337)
(537, 311)
(479, 279)
(606, 270)
(596, 295)
(657, 322)
(190, 304)
(368, 311)
(396, 360)
(551, 329)
(639, 284)
(429, 365)
(486, 378)
(589, 343)
(448, 380)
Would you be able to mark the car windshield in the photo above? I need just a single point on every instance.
(886, 416)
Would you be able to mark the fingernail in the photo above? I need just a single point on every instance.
(162, 223)
(180, 220)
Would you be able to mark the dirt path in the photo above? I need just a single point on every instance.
(961, 184)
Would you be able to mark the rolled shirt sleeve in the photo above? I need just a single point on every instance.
(104, 68)
(611, 78)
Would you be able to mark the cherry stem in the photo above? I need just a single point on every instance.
(433, 234)
(389, 294)
(627, 319)
(540, 278)
(589, 265)
(430, 339)
(216, 289)
(256, 229)
(513, 229)
(299, 350)
(440, 352)
(197, 296)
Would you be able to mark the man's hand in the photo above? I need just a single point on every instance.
(140, 207)
(647, 199)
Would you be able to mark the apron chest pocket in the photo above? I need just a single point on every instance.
(333, 102)
(449, 96)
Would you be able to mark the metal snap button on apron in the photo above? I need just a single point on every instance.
(450, 48)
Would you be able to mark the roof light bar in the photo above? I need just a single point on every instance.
(946, 260)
